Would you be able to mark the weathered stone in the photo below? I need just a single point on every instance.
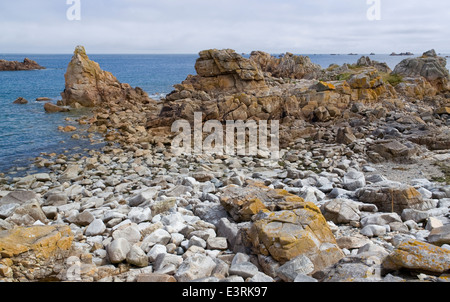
(291, 269)
(440, 235)
(358, 268)
(341, 211)
(43, 241)
(56, 199)
(159, 236)
(7, 210)
(137, 257)
(345, 136)
(244, 202)
(217, 243)
(85, 218)
(260, 277)
(118, 250)
(28, 213)
(390, 197)
(286, 66)
(352, 242)
(394, 150)
(138, 215)
(373, 230)
(18, 197)
(420, 216)
(96, 227)
(20, 101)
(166, 263)
(131, 233)
(429, 66)
(154, 277)
(195, 267)
(354, 180)
(52, 108)
(155, 251)
(287, 234)
(145, 195)
(381, 219)
(244, 269)
(88, 85)
(420, 256)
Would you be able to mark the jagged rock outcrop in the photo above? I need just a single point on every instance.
(27, 64)
(367, 62)
(231, 87)
(287, 65)
(429, 65)
(224, 70)
(88, 85)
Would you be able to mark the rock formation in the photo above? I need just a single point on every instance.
(230, 87)
(429, 65)
(20, 101)
(367, 62)
(287, 65)
(88, 85)
(27, 64)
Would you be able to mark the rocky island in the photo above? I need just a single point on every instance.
(27, 64)
(359, 193)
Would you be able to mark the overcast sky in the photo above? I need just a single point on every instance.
(188, 26)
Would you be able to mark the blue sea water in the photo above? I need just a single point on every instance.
(26, 130)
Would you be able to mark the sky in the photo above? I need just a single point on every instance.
(189, 26)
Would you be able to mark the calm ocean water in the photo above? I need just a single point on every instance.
(26, 130)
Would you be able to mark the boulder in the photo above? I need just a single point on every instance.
(357, 268)
(52, 108)
(20, 101)
(18, 197)
(43, 241)
(244, 202)
(345, 136)
(391, 197)
(418, 256)
(287, 234)
(118, 250)
(440, 236)
(341, 211)
(354, 180)
(195, 267)
(393, 150)
(429, 65)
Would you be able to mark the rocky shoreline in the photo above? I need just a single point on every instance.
(360, 192)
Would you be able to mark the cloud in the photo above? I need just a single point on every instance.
(188, 26)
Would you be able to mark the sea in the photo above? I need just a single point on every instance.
(27, 132)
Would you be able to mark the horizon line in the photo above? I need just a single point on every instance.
(187, 53)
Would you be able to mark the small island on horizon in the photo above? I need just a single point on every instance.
(27, 64)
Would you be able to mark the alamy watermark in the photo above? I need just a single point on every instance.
(250, 138)
(374, 10)
(73, 13)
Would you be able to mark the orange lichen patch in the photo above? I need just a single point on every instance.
(417, 255)
(287, 234)
(325, 86)
(244, 202)
(43, 240)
